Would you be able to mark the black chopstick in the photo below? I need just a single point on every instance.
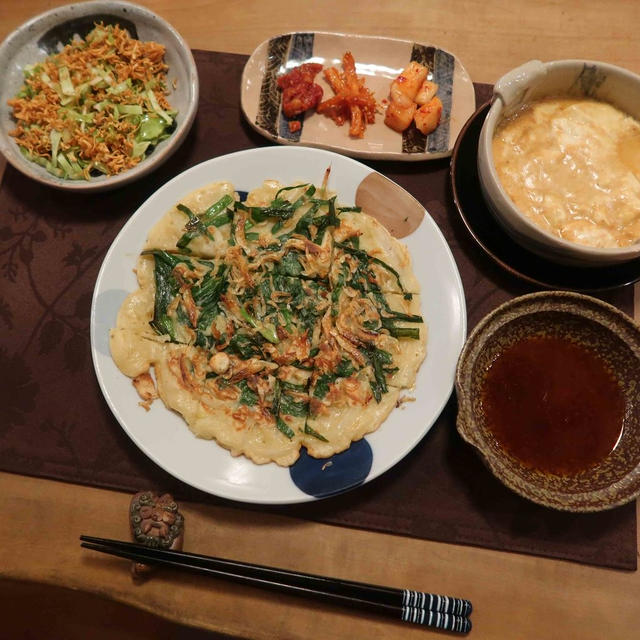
(384, 595)
(363, 596)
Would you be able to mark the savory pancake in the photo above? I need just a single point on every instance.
(212, 202)
(272, 323)
(360, 239)
(343, 411)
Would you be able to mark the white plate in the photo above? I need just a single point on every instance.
(379, 61)
(165, 437)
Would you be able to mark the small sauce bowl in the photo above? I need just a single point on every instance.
(606, 335)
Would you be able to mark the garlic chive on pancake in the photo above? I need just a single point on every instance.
(278, 322)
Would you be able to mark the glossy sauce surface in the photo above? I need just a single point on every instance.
(573, 167)
(553, 405)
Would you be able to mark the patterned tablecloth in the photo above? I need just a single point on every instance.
(56, 423)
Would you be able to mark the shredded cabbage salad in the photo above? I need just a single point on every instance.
(97, 107)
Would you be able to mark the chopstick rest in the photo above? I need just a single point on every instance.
(155, 521)
(382, 600)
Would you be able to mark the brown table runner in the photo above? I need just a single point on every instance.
(56, 423)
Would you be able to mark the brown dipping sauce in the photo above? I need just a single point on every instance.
(553, 405)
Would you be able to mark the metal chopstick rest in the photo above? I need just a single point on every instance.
(384, 600)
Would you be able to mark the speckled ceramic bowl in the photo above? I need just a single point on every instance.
(532, 81)
(598, 327)
(44, 34)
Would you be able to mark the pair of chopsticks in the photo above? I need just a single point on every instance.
(439, 612)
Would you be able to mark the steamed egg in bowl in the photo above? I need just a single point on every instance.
(572, 166)
(559, 160)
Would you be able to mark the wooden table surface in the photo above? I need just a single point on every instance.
(70, 594)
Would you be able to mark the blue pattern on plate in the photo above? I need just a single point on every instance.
(269, 103)
(106, 308)
(443, 71)
(327, 476)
